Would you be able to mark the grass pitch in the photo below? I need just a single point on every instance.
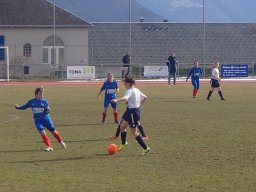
(196, 145)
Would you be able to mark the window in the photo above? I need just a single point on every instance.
(53, 50)
(2, 52)
(27, 50)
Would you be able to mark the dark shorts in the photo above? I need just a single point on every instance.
(132, 116)
(215, 83)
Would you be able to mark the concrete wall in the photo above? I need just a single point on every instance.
(75, 42)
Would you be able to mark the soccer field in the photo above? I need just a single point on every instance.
(196, 145)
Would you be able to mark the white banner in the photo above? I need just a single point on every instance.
(81, 72)
(155, 71)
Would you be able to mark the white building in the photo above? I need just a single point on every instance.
(33, 29)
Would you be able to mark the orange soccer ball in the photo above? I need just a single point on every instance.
(112, 149)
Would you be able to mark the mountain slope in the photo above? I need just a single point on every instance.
(192, 10)
(107, 10)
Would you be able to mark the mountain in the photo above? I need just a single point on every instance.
(108, 10)
(234, 11)
(238, 11)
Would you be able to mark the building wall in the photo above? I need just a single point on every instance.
(75, 42)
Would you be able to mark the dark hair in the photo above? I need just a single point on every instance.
(129, 80)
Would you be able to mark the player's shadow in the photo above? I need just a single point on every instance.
(76, 125)
(20, 151)
(95, 156)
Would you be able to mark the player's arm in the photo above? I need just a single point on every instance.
(119, 99)
(47, 109)
(144, 97)
(101, 90)
(190, 73)
(22, 107)
(201, 72)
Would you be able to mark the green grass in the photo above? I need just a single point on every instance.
(196, 145)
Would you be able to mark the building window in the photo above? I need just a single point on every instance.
(2, 51)
(27, 50)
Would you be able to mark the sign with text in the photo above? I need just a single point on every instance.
(155, 71)
(234, 70)
(81, 72)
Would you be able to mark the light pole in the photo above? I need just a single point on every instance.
(204, 35)
(54, 32)
(130, 29)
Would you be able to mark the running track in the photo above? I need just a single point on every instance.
(99, 82)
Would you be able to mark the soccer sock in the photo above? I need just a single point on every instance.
(194, 92)
(115, 115)
(46, 140)
(209, 94)
(104, 116)
(142, 132)
(141, 142)
(123, 137)
(56, 134)
(118, 130)
(220, 94)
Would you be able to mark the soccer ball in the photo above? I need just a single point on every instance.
(112, 149)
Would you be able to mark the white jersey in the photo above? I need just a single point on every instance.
(134, 97)
(215, 73)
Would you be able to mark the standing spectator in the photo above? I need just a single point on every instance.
(171, 64)
(195, 73)
(110, 87)
(126, 65)
(215, 81)
(133, 97)
(42, 119)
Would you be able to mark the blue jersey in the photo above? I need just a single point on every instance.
(195, 72)
(38, 107)
(110, 89)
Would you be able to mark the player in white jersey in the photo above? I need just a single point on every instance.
(133, 98)
(215, 81)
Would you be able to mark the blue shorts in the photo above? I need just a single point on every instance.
(132, 116)
(107, 101)
(44, 122)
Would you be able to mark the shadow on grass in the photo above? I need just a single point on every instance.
(95, 156)
(20, 151)
(83, 141)
(76, 125)
(86, 124)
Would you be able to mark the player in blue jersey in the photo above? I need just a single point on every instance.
(133, 97)
(40, 109)
(215, 81)
(195, 73)
(110, 86)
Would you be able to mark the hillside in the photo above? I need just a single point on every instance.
(108, 10)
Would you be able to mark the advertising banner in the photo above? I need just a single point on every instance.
(234, 70)
(155, 71)
(80, 72)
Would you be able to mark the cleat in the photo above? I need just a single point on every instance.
(145, 138)
(116, 122)
(113, 137)
(63, 145)
(194, 96)
(47, 149)
(102, 122)
(145, 151)
(208, 98)
(223, 99)
(122, 146)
